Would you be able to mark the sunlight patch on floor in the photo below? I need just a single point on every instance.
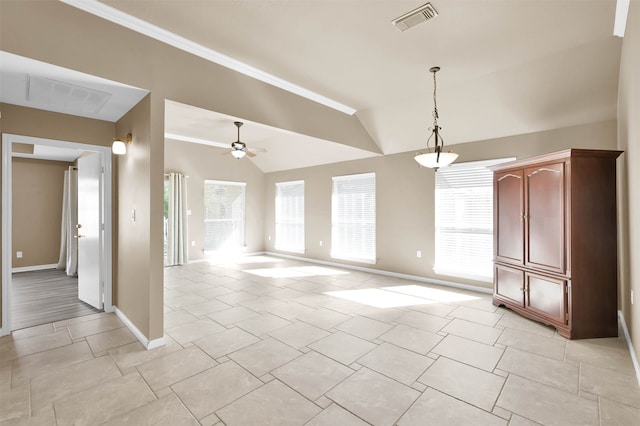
(295, 272)
(235, 259)
(380, 298)
(437, 295)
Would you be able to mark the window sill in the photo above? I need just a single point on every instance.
(355, 259)
(288, 250)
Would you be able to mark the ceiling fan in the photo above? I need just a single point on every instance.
(239, 149)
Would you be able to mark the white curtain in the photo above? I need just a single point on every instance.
(68, 259)
(177, 238)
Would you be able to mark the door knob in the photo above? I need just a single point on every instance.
(78, 236)
(78, 226)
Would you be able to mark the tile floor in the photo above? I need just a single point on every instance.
(267, 341)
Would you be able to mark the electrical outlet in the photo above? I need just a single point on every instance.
(19, 256)
(269, 237)
(320, 243)
(193, 243)
(419, 254)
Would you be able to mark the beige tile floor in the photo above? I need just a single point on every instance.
(266, 341)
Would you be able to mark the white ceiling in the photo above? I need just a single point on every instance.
(16, 72)
(52, 153)
(508, 67)
(284, 149)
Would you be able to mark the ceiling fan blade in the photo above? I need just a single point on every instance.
(250, 154)
(228, 151)
(258, 149)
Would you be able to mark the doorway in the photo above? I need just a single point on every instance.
(93, 233)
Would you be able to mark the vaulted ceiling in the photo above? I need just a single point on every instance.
(507, 66)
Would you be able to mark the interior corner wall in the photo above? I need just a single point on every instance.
(629, 175)
(136, 286)
(200, 163)
(38, 188)
(19, 120)
(405, 196)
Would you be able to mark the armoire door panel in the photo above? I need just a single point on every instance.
(545, 217)
(509, 284)
(547, 297)
(509, 217)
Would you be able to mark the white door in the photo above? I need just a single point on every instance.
(89, 229)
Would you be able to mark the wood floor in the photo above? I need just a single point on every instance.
(40, 297)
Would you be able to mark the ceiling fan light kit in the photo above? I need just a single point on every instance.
(437, 158)
(238, 148)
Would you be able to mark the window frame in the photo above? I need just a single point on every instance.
(278, 208)
(341, 253)
(243, 243)
(442, 266)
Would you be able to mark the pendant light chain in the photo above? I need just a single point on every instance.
(435, 102)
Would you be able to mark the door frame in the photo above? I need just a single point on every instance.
(7, 202)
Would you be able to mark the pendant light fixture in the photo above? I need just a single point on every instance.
(437, 158)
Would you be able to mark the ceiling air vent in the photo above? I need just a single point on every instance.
(416, 16)
(66, 96)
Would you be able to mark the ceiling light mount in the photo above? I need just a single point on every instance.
(119, 146)
(437, 158)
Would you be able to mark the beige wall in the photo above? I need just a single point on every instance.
(32, 122)
(629, 175)
(56, 33)
(137, 291)
(200, 163)
(37, 194)
(405, 195)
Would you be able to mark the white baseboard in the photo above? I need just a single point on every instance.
(34, 268)
(632, 352)
(386, 273)
(148, 344)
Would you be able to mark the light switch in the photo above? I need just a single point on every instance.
(19, 254)
(133, 215)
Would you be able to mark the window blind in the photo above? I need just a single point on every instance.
(353, 218)
(290, 216)
(464, 220)
(224, 213)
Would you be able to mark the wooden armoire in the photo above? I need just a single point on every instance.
(555, 240)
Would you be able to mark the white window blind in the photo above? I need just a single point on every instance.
(353, 218)
(464, 220)
(224, 213)
(290, 216)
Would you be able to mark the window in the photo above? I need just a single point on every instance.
(290, 216)
(223, 215)
(353, 218)
(464, 220)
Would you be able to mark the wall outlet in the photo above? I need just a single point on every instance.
(133, 215)
(19, 256)
(188, 212)
(193, 243)
(419, 254)
(269, 237)
(320, 243)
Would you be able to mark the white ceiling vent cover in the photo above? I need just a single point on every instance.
(416, 16)
(66, 96)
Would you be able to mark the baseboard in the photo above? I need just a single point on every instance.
(148, 344)
(386, 273)
(34, 268)
(632, 352)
